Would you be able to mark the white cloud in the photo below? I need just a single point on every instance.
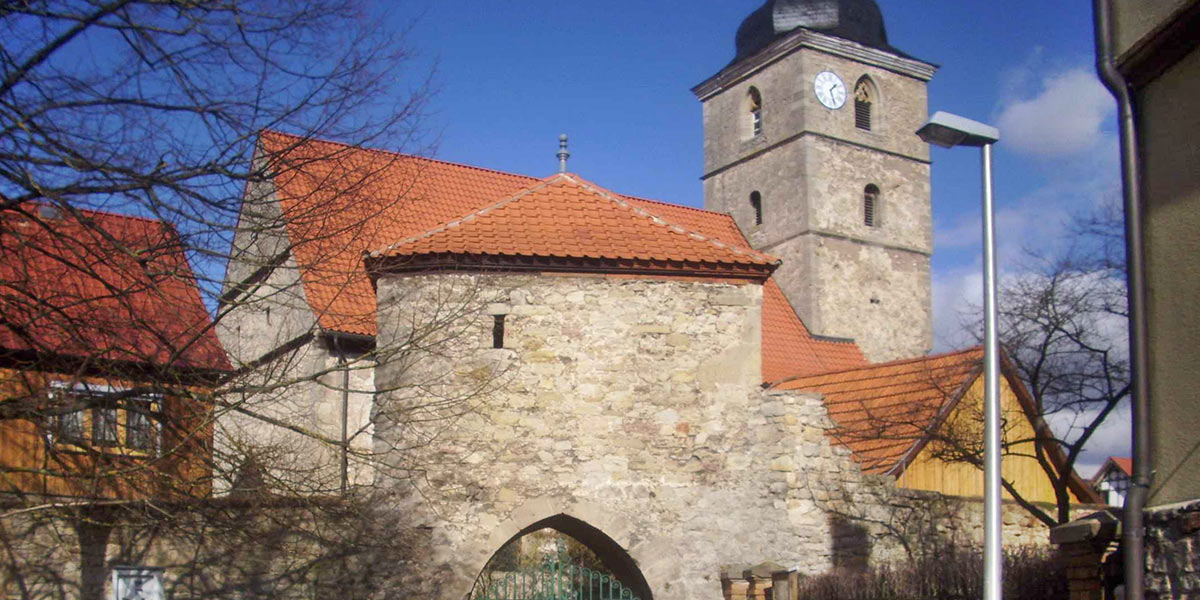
(1060, 117)
(1063, 118)
(1112, 437)
(1016, 227)
(954, 294)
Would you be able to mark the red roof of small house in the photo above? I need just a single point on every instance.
(341, 202)
(881, 412)
(1120, 464)
(1124, 463)
(886, 413)
(101, 286)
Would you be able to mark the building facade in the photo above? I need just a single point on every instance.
(107, 361)
(1155, 47)
(809, 144)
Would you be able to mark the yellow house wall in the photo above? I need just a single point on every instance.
(28, 467)
(929, 472)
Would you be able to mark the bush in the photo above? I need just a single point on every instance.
(955, 574)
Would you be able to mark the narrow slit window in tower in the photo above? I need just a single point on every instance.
(756, 204)
(871, 205)
(498, 331)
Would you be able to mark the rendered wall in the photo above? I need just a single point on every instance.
(1171, 151)
(302, 387)
(1134, 19)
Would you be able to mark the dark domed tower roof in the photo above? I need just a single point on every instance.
(855, 20)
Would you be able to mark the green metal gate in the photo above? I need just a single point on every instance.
(555, 579)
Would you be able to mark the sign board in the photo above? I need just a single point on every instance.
(137, 583)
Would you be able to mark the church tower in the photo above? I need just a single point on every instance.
(810, 143)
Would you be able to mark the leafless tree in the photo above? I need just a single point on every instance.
(1063, 326)
(155, 108)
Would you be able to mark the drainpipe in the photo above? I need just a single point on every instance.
(1132, 526)
(345, 413)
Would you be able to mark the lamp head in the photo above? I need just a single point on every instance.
(947, 130)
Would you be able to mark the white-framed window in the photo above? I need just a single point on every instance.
(105, 430)
(67, 427)
(141, 430)
(103, 417)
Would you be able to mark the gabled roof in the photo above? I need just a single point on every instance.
(100, 286)
(578, 223)
(1122, 465)
(886, 413)
(341, 201)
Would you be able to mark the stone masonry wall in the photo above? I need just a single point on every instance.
(633, 406)
(362, 548)
(1173, 551)
(224, 549)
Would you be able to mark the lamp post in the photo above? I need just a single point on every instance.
(947, 130)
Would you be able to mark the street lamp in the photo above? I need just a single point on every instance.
(947, 130)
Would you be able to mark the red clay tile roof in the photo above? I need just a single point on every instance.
(1123, 464)
(341, 201)
(717, 226)
(789, 350)
(884, 413)
(567, 217)
(881, 412)
(101, 286)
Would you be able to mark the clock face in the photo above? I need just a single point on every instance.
(830, 90)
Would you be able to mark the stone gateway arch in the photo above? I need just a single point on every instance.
(627, 412)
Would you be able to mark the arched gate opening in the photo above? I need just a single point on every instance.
(560, 558)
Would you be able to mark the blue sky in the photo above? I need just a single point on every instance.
(616, 77)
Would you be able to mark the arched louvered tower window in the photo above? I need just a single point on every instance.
(866, 100)
(754, 109)
(871, 205)
(756, 204)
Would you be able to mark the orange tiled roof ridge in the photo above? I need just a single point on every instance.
(566, 216)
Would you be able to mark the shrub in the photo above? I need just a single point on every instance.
(954, 574)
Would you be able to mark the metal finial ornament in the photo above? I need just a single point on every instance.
(563, 155)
